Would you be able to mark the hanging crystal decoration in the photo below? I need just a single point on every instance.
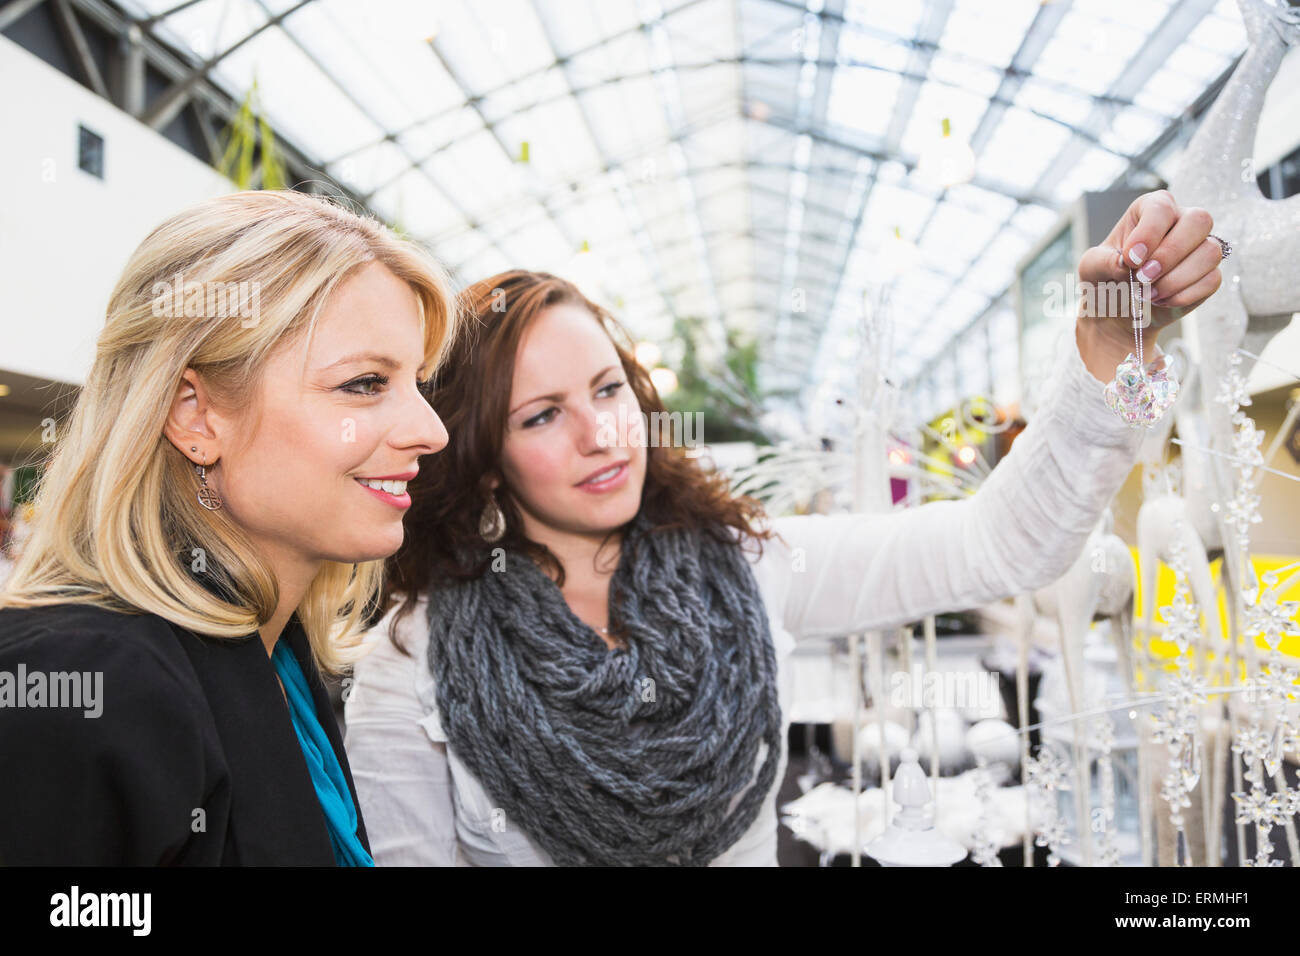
(1268, 617)
(1245, 444)
(1271, 730)
(1141, 392)
(1262, 750)
(1232, 387)
(1047, 774)
(985, 850)
(1178, 725)
(1103, 739)
(1242, 510)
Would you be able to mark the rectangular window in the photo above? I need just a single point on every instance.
(90, 152)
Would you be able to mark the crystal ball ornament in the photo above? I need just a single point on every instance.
(1140, 395)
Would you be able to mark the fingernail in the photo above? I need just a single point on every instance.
(1150, 270)
(1138, 253)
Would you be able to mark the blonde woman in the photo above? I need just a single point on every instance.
(210, 535)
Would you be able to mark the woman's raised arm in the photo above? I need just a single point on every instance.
(1021, 530)
(1029, 521)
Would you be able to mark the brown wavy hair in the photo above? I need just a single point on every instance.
(471, 393)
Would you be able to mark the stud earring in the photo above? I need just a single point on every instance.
(207, 497)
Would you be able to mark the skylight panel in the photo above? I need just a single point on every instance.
(989, 32)
(418, 206)
(210, 28)
(934, 104)
(1020, 149)
(325, 123)
(863, 99)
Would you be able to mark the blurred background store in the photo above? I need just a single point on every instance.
(770, 194)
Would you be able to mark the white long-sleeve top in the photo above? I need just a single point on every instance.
(823, 576)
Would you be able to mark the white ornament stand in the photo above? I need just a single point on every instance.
(911, 838)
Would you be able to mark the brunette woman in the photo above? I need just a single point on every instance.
(589, 663)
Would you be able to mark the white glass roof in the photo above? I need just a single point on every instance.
(716, 156)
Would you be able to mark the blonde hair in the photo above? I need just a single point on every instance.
(116, 515)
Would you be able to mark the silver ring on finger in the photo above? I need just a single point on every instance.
(1225, 247)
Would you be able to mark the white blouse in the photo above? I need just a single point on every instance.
(830, 575)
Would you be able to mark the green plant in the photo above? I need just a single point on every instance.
(251, 159)
(726, 393)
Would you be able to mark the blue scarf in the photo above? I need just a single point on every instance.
(326, 774)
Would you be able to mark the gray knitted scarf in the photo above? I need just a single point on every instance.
(626, 757)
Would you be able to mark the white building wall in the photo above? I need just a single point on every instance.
(65, 235)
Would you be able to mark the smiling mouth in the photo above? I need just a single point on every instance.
(388, 487)
(610, 472)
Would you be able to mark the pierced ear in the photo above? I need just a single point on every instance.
(188, 425)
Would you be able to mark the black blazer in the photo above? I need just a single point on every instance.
(192, 760)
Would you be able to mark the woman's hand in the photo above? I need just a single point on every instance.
(1173, 257)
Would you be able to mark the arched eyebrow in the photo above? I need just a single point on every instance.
(356, 358)
(559, 396)
(387, 361)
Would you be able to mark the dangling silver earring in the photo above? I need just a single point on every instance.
(207, 497)
(492, 523)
